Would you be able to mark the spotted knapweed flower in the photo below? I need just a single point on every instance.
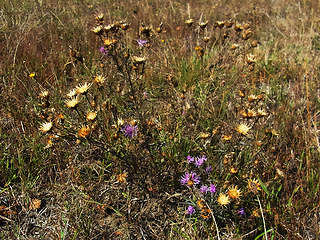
(212, 188)
(190, 159)
(200, 160)
(104, 50)
(242, 212)
(142, 42)
(190, 179)
(191, 210)
(129, 130)
(204, 189)
(208, 169)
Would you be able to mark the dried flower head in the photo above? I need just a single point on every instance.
(99, 80)
(72, 93)
(124, 26)
(159, 29)
(189, 22)
(84, 131)
(109, 42)
(146, 30)
(59, 119)
(243, 129)
(138, 60)
(261, 113)
(206, 39)
(204, 135)
(223, 199)
(251, 59)
(252, 98)
(254, 185)
(44, 94)
(254, 43)
(83, 89)
(219, 24)
(46, 127)
(238, 27)
(73, 102)
(122, 177)
(91, 116)
(229, 24)
(201, 203)
(100, 17)
(97, 30)
(234, 46)
(246, 34)
(110, 27)
(203, 25)
(233, 170)
(226, 137)
(234, 192)
(250, 113)
(205, 213)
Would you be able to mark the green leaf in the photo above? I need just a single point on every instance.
(264, 187)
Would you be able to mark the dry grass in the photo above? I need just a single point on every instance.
(93, 179)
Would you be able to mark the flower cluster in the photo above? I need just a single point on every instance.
(205, 190)
(198, 161)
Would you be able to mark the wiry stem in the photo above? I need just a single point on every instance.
(264, 223)
(214, 220)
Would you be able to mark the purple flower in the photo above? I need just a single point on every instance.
(204, 189)
(242, 212)
(190, 179)
(200, 161)
(208, 169)
(129, 130)
(142, 42)
(212, 188)
(191, 210)
(190, 159)
(104, 50)
(145, 95)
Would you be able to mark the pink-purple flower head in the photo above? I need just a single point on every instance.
(204, 189)
(208, 169)
(212, 188)
(104, 50)
(242, 212)
(200, 160)
(142, 42)
(129, 130)
(190, 159)
(190, 179)
(191, 210)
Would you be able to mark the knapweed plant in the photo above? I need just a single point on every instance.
(159, 120)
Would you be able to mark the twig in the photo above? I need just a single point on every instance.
(7, 219)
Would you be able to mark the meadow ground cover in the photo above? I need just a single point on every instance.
(131, 120)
